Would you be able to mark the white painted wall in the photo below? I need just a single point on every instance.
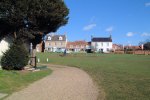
(4, 45)
(105, 46)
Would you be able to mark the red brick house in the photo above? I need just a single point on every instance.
(117, 47)
(77, 46)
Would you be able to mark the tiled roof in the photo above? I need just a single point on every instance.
(117, 46)
(99, 39)
(133, 47)
(56, 38)
(77, 43)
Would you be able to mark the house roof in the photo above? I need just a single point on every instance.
(101, 39)
(133, 47)
(77, 43)
(117, 46)
(56, 38)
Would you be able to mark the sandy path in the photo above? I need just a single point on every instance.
(65, 83)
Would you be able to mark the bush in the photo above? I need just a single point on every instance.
(15, 58)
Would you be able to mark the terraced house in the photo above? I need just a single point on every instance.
(77, 46)
(55, 43)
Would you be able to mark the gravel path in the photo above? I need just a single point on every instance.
(65, 83)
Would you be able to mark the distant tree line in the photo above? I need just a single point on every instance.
(146, 44)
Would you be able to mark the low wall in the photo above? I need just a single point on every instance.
(138, 52)
(119, 52)
(142, 52)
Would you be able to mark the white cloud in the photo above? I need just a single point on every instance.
(89, 27)
(147, 4)
(109, 29)
(145, 34)
(130, 34)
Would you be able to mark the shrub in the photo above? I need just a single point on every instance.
(15, 58)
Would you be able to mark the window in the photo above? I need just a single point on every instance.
(49, 44)
(107, 44)
(49, 38)
(60, 38)
(102, 44)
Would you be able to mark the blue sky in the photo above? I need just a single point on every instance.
(128, 21)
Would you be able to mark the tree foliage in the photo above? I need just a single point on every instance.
(147, 46)
(16, 57)
(29, 19)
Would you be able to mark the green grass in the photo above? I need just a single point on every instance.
(12, 81)
(121, 77)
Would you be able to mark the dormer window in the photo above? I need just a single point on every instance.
(60, 38)
(49, 38)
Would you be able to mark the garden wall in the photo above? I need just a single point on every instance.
(138, 52)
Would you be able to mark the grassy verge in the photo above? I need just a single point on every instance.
(122, 77)
(12, 81)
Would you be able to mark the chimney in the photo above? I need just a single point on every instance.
(142, 46)
(91, 37)
(110, 37)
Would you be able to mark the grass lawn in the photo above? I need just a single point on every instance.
(12, 81)
(121, 77)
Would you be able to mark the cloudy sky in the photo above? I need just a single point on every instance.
(128, 21)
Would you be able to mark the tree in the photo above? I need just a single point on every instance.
(29, 19)
(147, 46)
(16, 57)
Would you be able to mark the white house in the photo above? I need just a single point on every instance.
(101, 44)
